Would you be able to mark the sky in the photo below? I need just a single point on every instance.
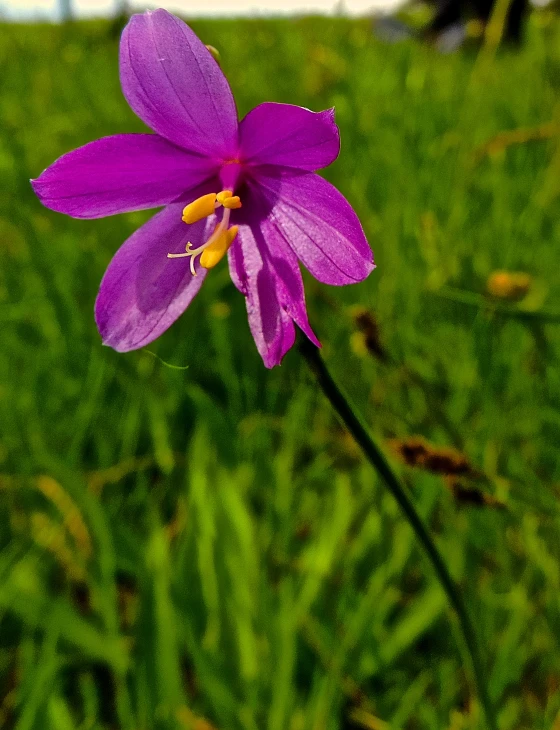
(31, 9)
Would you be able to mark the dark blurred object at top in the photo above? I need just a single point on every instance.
(450, 13)
(447, 29)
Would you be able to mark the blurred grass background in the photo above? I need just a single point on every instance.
(204, 548)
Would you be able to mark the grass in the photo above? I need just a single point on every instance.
(205, 547)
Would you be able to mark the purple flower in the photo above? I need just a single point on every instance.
(247, 188)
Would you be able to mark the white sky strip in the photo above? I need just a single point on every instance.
(50, 9)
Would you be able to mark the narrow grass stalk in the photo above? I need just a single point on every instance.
(377, 459)
(514, 311)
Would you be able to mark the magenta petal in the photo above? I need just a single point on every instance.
(254, 273)
(282, 134)
(143, 292)
(319, 225)
(171, 81)
(272, 251)
(119, 174)
(288, 276)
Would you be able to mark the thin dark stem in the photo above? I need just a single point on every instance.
(377, 459)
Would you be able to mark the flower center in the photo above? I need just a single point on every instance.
(215, 248)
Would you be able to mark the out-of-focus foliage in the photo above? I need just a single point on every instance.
(180, 544)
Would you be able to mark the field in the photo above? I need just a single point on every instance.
(191, 541)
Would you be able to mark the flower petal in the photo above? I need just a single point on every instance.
(171, 81)
(119, 174)
(282, 134)
(273, 251)
(254, 274)
(317, 222)
(143, 292)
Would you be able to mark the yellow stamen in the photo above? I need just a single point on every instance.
(200, 208)
(219, 242)
(224, 195)
(232, 203)
(216, 251)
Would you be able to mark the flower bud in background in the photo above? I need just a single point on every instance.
(215, 54)
(511, 285)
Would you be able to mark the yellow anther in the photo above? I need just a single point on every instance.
(217, 245)
(220, 197)
(218, 248)
(232, 203)
(200, 208)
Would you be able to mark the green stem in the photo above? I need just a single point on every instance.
(377, 459)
